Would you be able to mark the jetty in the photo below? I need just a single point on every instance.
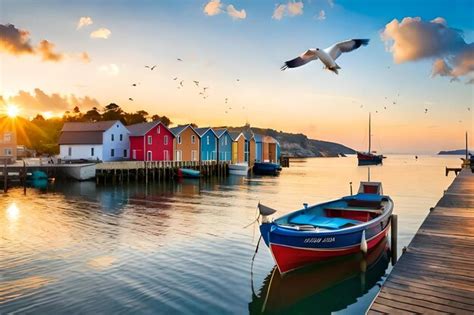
(435, 274)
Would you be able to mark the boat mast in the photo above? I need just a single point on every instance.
(467, 149)
(370, 135)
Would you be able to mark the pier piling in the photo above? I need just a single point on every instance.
(394, 238)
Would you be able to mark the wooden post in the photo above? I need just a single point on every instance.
(394, 238)
(5, 177)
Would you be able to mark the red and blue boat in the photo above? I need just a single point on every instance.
(352, 224)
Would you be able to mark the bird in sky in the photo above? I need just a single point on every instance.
(179, 59)
(385, 107)
(226, 100)
(151, 67)
(130, 99)
(134, 84)
(205, 88)
(426, 110)
(175, 78)
(238, 80)
(197, 83)
(201, 93)
(181, 83)
(327, 56)
(469, 109)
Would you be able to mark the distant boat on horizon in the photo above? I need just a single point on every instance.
(369, 158)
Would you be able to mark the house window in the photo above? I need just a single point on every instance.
(112, 137)
(165, 140)
(207, 139)
(158, 129)
(69, 151)
(92, 151)
(112, 152)
(179, 139)
(150, 139)
(193, 139)
(121, 137)
(166, 155)
(117, 125)
(194, 155)
(124, 153)
(8, 152)
(7, 137)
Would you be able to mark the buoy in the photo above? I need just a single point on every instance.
(363, 243)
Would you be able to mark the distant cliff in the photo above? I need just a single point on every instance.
(454, 152)
(298, 145)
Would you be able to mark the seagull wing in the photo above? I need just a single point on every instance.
(303, 59)
(346, 46)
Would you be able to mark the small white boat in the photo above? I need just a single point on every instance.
(239, 169)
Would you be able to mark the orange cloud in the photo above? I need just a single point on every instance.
(39, 101)
(102, 32)
(213, 7)
(292, 8)
(16, 42)
(84, 21)
(236, 14)
(45, 49)
(413, 39)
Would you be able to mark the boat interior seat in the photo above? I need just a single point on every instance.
(322, 222)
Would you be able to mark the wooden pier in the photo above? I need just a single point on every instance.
(119, 172)
(436, 273)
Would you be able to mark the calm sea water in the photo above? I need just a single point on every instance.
(181, 247)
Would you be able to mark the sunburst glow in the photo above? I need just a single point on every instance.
(12, 110)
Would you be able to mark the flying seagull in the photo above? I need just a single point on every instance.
(197, 83)
(175, 78)
(179, 59)
(130, 99)
(134, 84)
(426, 110)
(151, 68)
(205, 88)
(328, 56)
(181, 83)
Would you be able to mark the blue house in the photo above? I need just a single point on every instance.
(208, 143)
(258, 147)
(224, 144)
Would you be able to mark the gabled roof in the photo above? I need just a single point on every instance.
(179, 129)
(236, 135)
(258, 137)
(142, 129)
(248, 134)
(202, 131)
(220, 132)
(89, 126)
(81, 137)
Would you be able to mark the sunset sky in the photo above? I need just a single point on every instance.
(56, 54)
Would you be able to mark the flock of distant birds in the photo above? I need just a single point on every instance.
(202, 93)
(327, 56)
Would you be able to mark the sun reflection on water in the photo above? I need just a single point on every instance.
(13, 212)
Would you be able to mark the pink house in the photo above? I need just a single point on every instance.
(150, 141)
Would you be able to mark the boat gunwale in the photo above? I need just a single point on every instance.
(293, 232)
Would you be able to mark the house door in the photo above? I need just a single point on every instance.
(234, 152)
(134, 154)
(166, 155)
(179, 155)
(149, 156)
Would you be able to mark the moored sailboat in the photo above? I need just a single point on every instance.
(369, 158)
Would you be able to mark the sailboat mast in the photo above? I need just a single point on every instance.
(370, 135)
(467, 148)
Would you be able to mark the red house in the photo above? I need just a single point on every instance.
(151, 141)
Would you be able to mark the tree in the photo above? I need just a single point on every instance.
(164, 120)
(92, 115)
(113, 112)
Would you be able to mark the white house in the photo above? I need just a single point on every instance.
(103, 140)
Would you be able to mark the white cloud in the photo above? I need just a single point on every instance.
(110, 69)
(331, 3)
(101, 33)
(213, 7)
(292, 8)
(84, 21)
(236, 14)
(321, 15)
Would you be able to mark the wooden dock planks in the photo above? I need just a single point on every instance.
(436, 273)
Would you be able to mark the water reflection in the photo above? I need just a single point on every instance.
(322, 288)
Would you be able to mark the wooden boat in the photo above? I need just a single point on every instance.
(239, 169)
(266, 168)
(347, 279)
(188, 173)
(369, 158)
(345, 226)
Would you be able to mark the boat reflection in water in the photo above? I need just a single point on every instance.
(322, 288)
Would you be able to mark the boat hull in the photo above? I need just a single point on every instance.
(241, 169)
(188, 173)
(266, 169)
(369, 158)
